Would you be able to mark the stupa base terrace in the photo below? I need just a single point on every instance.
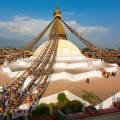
(70, 64)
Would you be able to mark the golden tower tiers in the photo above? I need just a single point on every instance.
(57, 13)
(58, 25)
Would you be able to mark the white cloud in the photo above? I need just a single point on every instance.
(24, 25)
(87, 29)
(21, 26)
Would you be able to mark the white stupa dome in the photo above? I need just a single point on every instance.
(66, 49)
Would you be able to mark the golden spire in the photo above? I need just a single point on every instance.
(57, 22)
(57, 13)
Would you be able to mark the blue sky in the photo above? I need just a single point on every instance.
(97, 20)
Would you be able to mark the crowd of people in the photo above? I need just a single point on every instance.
(108, 74)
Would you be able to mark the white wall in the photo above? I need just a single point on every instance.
(53, 99)
(74, 77)
(108, 102)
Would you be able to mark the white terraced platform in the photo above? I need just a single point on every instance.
(70, 64)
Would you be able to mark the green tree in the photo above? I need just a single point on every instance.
(53, 108)
(72, 107)
(43, 109)
(90, 97)
(76, 106)
(62, 99)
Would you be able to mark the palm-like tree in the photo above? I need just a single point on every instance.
(62, 99)
(90, 97)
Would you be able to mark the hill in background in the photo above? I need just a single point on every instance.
(5, 42)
